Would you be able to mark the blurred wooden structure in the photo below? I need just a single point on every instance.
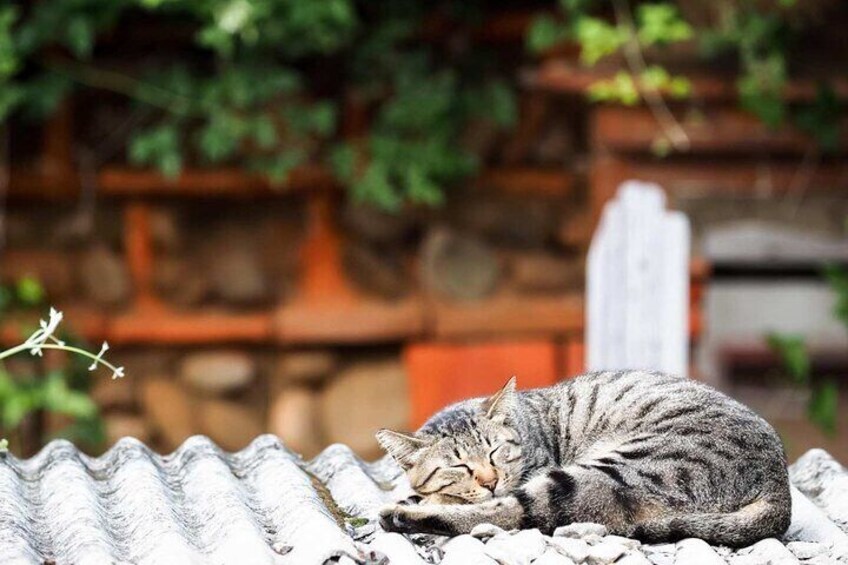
(452, 349)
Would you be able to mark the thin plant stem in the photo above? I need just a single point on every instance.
(671, 127)
(58, 347)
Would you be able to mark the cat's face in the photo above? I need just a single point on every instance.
(478, 460)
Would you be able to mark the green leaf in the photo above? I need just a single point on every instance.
(29, 291)
(792, 350)
(80, 34)
(597, 38)
(61, 399)
(545, 32)
(158, 146)
(375, 187)
(423, 190)
(837, 277)
(821, 120)
(343, 161)
(824, 407)
(660, 24)
(620, 89)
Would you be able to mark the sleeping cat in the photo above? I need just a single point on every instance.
(651, 456)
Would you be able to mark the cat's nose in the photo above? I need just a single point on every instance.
(490, 485)
(487, 478)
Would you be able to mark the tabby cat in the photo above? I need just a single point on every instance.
(651, 456)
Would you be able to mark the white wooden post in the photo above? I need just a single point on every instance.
(637, 312)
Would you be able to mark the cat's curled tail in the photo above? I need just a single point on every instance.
(768, 516)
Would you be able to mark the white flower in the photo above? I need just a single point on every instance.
(44, 333)
(118, 373)
(103, 349)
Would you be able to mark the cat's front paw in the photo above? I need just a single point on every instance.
(406, 519)
(395, 518)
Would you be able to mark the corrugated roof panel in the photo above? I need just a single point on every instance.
(265, 505)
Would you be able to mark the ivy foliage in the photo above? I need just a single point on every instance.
(247, 89)
(758, 34)
(823, 406)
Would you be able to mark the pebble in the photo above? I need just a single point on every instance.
(573, 548)
(806, 549)
(629, 543)
(605, 552)
(396, 548)
(661, 558)
(693, 550)
(465, 550)
(516, 549)
(768, 551)
(483, 531)
(581, 530)
(552, 557)
(633, 557)
(666, 548)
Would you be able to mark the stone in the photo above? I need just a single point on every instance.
(377, 271)
(165, 230)
(363, 398)
(574, 548)
(543, 272)
(824, 560)
(633, 557)
(232, 425)
(457, 266)
(104, 277)
(693, 550)
(236, 272)
(593, 539)
(518, 549)
(180, 282)
(629, 543)
(825, 481)
(580, 530)
(125, 425)
(552, 557)
(806, 549)
(605, 552)
(665, 548)
(218, 372)
(110, 394)
(465, 550)
(375, 225)
(305, 366)
(511, 220)
(575, 230)
(168, 408)
(396, 548)
(662, 558)
(482, 531)
(293, 416)
(767, 552)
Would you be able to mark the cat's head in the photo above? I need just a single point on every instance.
(468, 453)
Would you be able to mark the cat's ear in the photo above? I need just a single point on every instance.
(498, 406)
(402, 447)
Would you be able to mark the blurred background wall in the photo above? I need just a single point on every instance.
(317, 219)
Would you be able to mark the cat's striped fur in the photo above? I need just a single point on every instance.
(649, 455)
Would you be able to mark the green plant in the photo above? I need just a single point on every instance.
(793, 352)
(58, 390)
(246, 90)
(759, 34)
